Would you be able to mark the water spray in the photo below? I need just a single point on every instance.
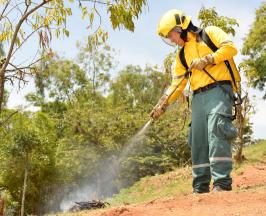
(89, 189)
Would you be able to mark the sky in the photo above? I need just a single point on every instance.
(145, 47)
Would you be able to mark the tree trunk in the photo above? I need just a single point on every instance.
(24, 191)
(240, 140)
(2, 85)
(242, 121)
(2, 206)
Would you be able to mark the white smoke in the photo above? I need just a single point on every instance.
(82, 194)
(107, 174)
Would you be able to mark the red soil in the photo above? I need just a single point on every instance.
(247, 198)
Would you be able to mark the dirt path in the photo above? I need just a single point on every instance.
(248, 199)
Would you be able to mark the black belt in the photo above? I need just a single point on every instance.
(212, 85)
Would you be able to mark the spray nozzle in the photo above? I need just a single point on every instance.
(151, 120)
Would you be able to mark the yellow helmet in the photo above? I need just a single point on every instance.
(171, 19)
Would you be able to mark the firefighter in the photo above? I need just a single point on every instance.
(214, 80)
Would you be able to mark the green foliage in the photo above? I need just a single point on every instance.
(93, 119)
(254, 47)
(209, 16)
(135, 87)
(85, 122)
(165, 145)
(124, 11)
(2, 53)
(27, 141)
(97, 61)
(51, 17)
(164, 148)
(60, 78)
(20, 21)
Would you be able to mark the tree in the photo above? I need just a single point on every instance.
(254, 48)
(165, 145)
(210, 16)
(27, 160)
(97, 61)
(244, 128)
(57, 79)
(136, 87)
(47, 18)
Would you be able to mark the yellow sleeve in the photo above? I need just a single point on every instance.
(226, 48)
(178, 82)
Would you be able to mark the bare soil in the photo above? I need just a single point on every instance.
(248, 198)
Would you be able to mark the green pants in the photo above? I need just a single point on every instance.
(210, 139)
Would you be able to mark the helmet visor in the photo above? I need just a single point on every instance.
(168, 41)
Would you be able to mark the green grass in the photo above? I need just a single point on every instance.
(255, 153)
(159, 186)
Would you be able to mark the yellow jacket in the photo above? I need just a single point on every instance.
(197, 49)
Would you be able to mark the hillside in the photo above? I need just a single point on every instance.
(170, 193)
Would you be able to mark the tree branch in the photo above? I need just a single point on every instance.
(26, 39)
(12, 44)
(7, 119)
(94, 1)
(23, 68)
(13, 8)
(23, 18)
(6, 6)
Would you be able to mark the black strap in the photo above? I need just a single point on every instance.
(205, 37)
(182, 58)
(231, 72)
(184, 63)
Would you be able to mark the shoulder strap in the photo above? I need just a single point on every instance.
(205, 37)
(184, 63)
(182, 58)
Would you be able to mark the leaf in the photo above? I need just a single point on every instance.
(66, 32)
(91, 18)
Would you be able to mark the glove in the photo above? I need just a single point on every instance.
(160, 107)
(200, 63)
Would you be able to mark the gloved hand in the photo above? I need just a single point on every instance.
(160, 107)
(200, 63)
